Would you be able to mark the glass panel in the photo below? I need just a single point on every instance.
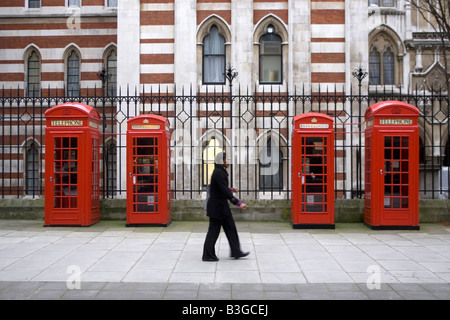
(66, 172)
(112, 73)
(214, 57)
(270, 167)
(374, 68)
(405, 142)
(387, 142)
(271, 68)
(208, 155)
(145, 179)
(111, 167)
(33, 75)
(314, 177)
(74, 3)
(73, 78)
(388, 67)
(396, 165)
(32, 170)
(214, 43)
(270, 59)
(214, 69)
(34, 3)
(271, 47)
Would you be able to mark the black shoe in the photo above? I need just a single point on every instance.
(210, 259)
(241, 255)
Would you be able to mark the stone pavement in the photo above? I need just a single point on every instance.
(110, 261)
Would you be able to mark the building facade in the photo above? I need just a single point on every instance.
(112, 48)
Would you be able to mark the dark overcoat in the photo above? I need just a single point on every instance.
(217, 206)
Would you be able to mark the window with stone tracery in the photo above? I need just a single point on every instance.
(385, 55)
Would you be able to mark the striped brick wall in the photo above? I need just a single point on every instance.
(221, 8)
(50, 30)
(157, 19)
(47, 29)
(262, 8)
(328, 44)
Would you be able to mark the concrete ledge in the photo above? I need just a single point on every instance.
(24, 208)
(351, 211)
(435, 210)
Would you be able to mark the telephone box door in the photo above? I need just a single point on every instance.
(397, 178)
(65, 177)
(313, 173)
(148, 172)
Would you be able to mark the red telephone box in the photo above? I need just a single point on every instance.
(148, 171)
(391, 166)
(312, 200)
(72, 165)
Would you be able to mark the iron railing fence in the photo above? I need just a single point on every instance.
(241, 122)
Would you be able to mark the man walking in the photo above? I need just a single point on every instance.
(219, 213)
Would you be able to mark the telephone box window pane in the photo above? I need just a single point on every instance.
(405, 203)
(387, 142)
(405, 142)
(405, 166)
(405, 178)
(387, 178)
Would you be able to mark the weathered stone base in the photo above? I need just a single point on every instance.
(430, 210)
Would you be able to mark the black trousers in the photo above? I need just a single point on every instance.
(213, 234)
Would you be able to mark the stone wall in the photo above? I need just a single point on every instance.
(346, 211)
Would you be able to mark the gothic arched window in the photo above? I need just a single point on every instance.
(270, 57)
(214, 57)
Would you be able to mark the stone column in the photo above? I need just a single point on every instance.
(128, 69)
(299, 45)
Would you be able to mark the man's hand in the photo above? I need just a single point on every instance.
(234, 190)
(243, 206)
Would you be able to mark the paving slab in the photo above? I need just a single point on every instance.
(109, 261)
